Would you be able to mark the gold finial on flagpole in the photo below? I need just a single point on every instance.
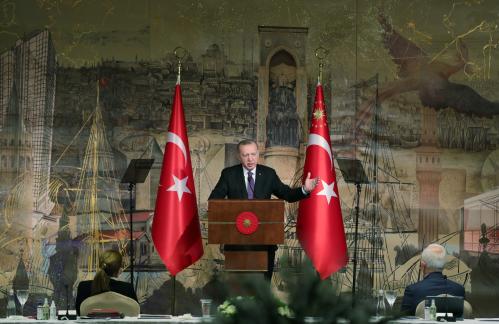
(180, 54)
(321, 53)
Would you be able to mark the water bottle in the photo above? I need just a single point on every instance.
(426, 312)
(11, 305)
(380, 307)
(46, 309)
(39, 311)
(53, 311)
(433, 311)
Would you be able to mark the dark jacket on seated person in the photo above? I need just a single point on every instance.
(120, 287)
(433, 284)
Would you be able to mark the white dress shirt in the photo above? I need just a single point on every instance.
(245, 172)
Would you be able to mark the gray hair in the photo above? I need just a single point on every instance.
(434, 257)
(246, 142)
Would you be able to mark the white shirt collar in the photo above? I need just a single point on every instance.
(246, 171)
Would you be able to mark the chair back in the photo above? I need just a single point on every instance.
(110, 300)
(420, 309)
(467, 309)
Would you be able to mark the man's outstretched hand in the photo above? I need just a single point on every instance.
(310, 184)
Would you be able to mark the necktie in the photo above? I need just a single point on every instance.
(251, 185)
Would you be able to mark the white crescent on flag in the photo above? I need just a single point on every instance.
(315, 139)
(176, 140)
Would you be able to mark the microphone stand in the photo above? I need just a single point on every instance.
(136, 172)
(353, 172)
(131, 185)
(357, 185)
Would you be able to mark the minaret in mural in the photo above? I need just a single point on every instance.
(31, 65)
(429, 175)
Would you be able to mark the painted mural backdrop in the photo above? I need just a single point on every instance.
(86, 86)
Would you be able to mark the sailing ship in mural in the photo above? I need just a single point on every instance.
(98, 211)
(99, 220)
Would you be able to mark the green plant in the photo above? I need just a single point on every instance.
(308, 296)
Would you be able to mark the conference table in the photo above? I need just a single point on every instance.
(193, 319)
(126, 320)
(466, 321)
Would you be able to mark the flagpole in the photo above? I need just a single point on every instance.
(175, 229)
(319, 227)
(180, 53)
(173, 296)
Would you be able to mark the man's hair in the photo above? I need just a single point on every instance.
(434, 257)
(246, 142)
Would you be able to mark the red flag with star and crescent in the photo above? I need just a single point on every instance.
(320, 223)
(176, 230)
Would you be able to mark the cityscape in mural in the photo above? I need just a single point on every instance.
(412, 95)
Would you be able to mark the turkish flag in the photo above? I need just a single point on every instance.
(320, 223)
(175, 229)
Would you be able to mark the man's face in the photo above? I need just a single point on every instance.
(248, 155)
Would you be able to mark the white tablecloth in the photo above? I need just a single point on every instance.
(466, 321)
(126, 320)
(191, 319)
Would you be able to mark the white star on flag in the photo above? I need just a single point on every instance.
(180, 186)
(328, 191)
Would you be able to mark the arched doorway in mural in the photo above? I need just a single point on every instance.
(282, 119)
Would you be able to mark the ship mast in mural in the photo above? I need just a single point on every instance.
(97, 218)
(385, 215)
(98, 209)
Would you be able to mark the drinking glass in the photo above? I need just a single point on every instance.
(206, 308)
(22, 296)
(391, 296)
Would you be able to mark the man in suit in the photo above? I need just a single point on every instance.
(434, 282)
(250, 180)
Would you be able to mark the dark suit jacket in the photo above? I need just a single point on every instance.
(433, 284)
(232, 185)
(85, 291)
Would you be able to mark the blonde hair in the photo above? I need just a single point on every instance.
(110, 263)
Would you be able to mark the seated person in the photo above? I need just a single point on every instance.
(434, 282)
(110, 263)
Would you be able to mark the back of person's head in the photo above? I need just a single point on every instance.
(110, 263)
(434, 257)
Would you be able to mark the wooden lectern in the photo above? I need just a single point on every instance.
(246, 223)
